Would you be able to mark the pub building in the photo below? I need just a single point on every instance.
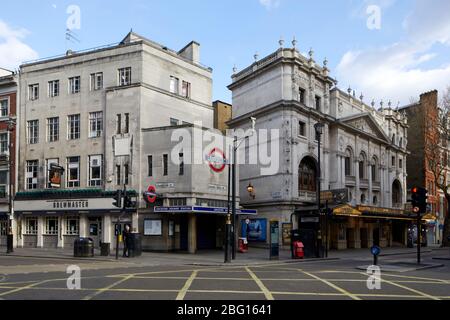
(55, 218)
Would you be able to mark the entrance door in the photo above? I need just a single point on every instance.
(206, 232)
(376, 237)
(364, 238)
(308, 237)
(184, 233)
(95, 232)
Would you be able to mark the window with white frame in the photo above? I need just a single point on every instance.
(72, 226)
(33, 92)
(174, 85)
(33, 132)
(53, 129)
(74, 85)
(51, 225)
(95, 170)
(95, 124)
(49, 164)
(124, 76)
(3, 143)
(4, 107)
(32, 172)
(53, 88)
(96, 81)
(73, 172)
(3, 228)
(31, 226)
(3, 183)
(73, 127)
(186, 89)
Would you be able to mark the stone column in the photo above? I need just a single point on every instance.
(83, 226)
(192, 234)
(370, 200)
(40, 233)
(357, 185)
(135, 222)
(61, 231)
(107, 230)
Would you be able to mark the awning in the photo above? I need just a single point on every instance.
(347, 211)
(204, 210)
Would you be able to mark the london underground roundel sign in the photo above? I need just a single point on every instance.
(150, 194)
(217, 160)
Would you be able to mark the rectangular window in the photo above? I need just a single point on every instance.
(347, 166)
(318, 103)
(118, 177)
(174, 122)
(150, 166)
(33, 92)
(52, 129)
(127, 123)
(186, 89)
(73, 172)
(4, 108)
(3, 228)
(3, 183)
(119, 124)
(393, 161)
(165, 165)
(301, 95)
(32, 174)
(53, 88)
(72, 226)
(73, 127)
(96, 81)
(95, 124)
(74, 85)
(33, 132)
(51, 226)
(181, 160)
(31, 226)
(302, 129)
(400, 163)
(126, 174)
(125, 77)
(3, 143)
(47, 178)
(174, 85)
(95, 170)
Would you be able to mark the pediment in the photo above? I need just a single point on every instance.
(367, 124)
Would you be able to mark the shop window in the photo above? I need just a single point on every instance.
(51, 226)
(31, 226)
(72, 226)
(3, 228)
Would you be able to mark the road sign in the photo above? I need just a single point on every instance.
(375, 250)
(338, 196)
(217, 160)
(150, 195)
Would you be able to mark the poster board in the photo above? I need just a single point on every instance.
(153, 227)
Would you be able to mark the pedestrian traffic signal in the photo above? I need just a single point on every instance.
(419, 197)
(118, 199)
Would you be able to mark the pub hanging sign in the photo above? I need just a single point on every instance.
(55, 175)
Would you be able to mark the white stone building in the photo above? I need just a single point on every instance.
(363, 150)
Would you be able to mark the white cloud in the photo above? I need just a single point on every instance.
(270, 4)
(13, 51)
(396, 71)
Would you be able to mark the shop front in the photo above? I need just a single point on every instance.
(185, 228)
(3, 228)
(57, 221)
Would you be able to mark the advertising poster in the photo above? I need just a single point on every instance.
(255, 230)
(153, 227)
(287, 228)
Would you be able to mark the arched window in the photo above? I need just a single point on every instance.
(363, 198)
(362, 166)
(396, 194)
(375, 200)
(348, 162)
(374, 168)
(307, 175)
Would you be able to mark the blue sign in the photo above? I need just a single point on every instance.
(375, 250)
(189, 209)
(256, 230)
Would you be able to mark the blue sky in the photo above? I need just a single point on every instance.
(408, 55)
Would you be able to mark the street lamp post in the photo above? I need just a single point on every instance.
(10, 236)
(319, 131)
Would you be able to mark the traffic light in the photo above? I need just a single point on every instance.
(118, 199)
(419, 197)
(127, 202)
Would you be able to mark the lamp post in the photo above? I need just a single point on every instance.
(10, 238)
(236, 144)
(319, 131)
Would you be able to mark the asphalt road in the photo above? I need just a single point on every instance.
(336, 280)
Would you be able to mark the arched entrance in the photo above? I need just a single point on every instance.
(397, 194)
(307, 175)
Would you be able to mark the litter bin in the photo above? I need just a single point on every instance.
(105, 249)
(83, 248)
(135, 245)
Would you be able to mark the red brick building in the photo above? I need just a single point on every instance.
(8, 97)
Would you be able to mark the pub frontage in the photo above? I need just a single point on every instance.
(55, 218)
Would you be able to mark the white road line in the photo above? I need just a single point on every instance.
(186, 287)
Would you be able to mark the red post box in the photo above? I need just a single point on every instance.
(299, 252)
(243, 245)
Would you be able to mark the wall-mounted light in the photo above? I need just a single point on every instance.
(251, 191)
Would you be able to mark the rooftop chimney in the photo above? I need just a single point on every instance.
(191, 52)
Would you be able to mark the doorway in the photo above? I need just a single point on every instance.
(206, 232)
(95, 231)
(376, 237)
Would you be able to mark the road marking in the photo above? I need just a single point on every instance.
(260, 284)
(354, 297)
(186, 287)
(93, 295)
(30, 286)
(423, 294)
